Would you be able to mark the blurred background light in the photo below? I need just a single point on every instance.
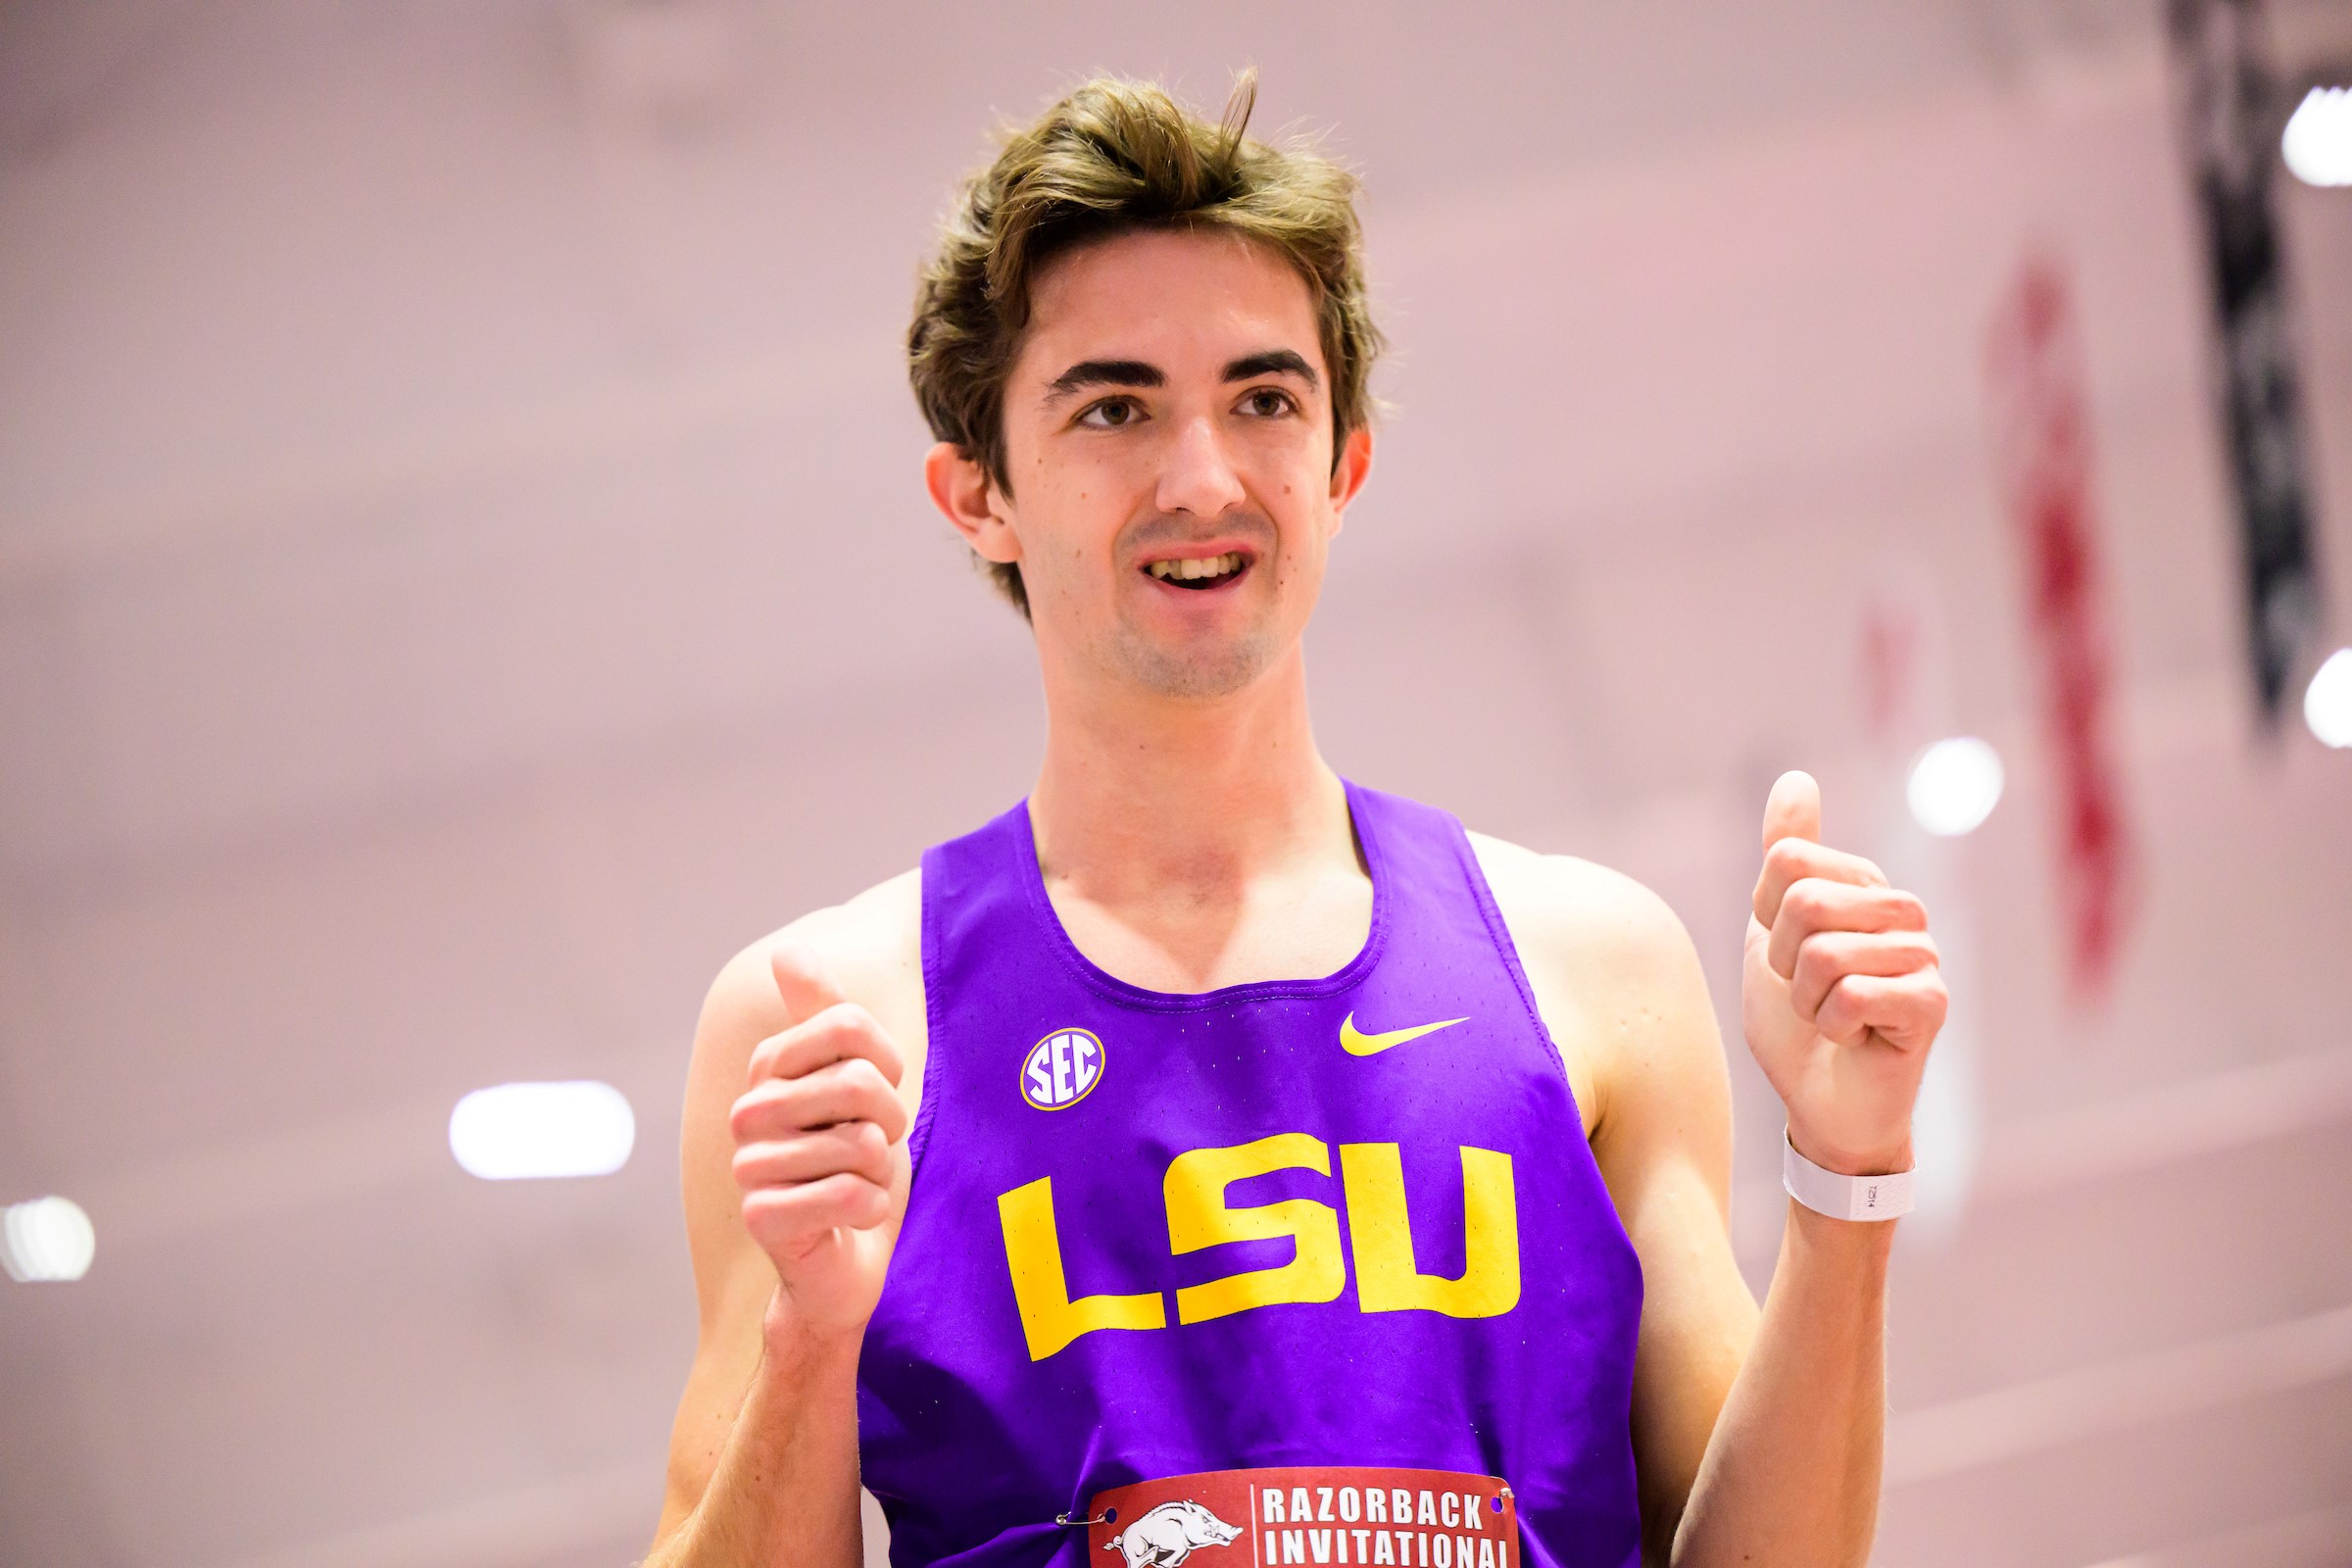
(2327, 699)
(2318, 141)
(47, 1239)
(580, 1128)
(1954, 785)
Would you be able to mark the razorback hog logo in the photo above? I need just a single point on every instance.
(1167, 1535)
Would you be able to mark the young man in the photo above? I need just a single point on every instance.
(1018, 1183)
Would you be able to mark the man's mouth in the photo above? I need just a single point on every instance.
(1204, 572)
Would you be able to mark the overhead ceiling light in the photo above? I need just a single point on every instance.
(1955, 786)
(580, 1128)
(2327, 699)
(2318, 141)
(47, 1239)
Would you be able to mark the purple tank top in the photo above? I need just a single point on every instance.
(1344, 1221)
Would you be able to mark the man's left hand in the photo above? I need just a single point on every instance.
(1840, 994)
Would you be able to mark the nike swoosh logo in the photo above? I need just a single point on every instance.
(1358, 1044)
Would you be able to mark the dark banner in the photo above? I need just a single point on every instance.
(2231, 119)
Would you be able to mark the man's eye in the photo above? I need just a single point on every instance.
(1110, 413)
(1267, 402)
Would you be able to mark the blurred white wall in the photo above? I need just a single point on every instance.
(463, 573)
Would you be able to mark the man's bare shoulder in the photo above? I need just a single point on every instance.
(1615, 976)
(1602, 924)
(1614, 973)
(872, 943)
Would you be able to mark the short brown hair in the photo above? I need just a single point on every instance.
(1114, 156)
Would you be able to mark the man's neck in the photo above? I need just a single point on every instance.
(1144, 798)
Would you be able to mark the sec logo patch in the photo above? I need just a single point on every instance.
(1061, 1069)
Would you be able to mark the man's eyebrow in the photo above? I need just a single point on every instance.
(1105, 372)
(1274, 362)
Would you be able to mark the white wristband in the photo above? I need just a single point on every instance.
(1825, 1191)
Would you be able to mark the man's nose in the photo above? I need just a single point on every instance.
(1198, 477)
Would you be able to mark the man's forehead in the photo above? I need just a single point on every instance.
(1186, 301)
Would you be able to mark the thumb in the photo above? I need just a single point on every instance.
(1794, 809)
(802, 979)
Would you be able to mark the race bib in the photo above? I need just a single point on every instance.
(1366, 1518)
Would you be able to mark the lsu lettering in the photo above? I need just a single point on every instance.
(1050, 1319)
(1372, 1181)
(1386, 1280)
(1197, 1217)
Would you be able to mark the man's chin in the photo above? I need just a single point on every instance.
(1200, 671)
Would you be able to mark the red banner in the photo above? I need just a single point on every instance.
(1365, 1518)
(2042, 439)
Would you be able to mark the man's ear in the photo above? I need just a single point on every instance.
(1354, 466)
(968, 499)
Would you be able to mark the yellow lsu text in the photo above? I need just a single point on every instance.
(1372, 1180)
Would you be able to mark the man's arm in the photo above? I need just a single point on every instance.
(1756, 1436)
(763, 1453)
(1620, 988)
(1841, 998)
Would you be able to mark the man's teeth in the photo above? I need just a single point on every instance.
(1192, 570)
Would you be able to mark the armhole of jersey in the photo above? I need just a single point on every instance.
(918, 1138)
(1499, 931)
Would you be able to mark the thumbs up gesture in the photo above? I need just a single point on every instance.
(1841, 992)
(817, 1146)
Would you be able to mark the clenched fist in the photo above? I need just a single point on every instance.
(1841, 993)
(817, 1148)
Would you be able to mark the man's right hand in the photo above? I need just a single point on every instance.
(817, 1130)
